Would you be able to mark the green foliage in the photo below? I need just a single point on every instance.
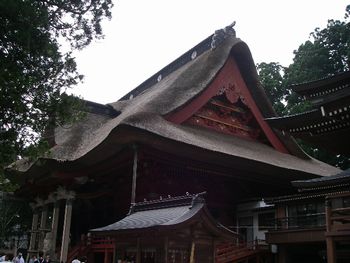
(271, 76)
(325, 54)
(35, 73)
(15, 218)
(337, 160)
(6, 185)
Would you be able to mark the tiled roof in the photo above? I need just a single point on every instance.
(165, 213)
(333, 180)
(152, 218)
(310, 87)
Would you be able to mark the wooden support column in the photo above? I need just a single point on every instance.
(134, 176)
(331, 257)
(282, 254)
(138, 251)
(33, 235)
(281, 214)
(43, 228)
(166, 249)
(193, 247)
(115, 252)
(54, 227)
(213, 244)
(66, 230)
(106, 258)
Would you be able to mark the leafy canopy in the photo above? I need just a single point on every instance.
(35, 72)
(15, 219)
(326, 53)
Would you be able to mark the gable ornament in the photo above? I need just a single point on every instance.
(220, 35)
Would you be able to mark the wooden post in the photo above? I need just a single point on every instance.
(138, 251)
(43, 227)
(166, 249)
(214, 250)
(34, 229)
(280, 217)
(282, 254)
(193, 246)
(134, 176)
(114, 252)
(54, 226)
(66, 230)
(331, 258)
(106, 256)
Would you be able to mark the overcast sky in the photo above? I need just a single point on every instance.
(144, 36)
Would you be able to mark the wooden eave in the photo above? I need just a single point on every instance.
(316, 194)
(311, 124)
(128, 136)
(323, 87)
(287, 123)
(327, 126)
(340, 98)
(338, 180)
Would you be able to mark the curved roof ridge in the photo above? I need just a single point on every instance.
(165, 96)
(169, 201)
(168, 69)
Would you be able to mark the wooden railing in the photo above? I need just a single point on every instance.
(102, 244)
(91, 245)
(231, 252)
(338, 218)
(79, 250)
(337, 225)
(314, 220)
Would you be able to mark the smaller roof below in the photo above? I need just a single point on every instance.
(327, 124)
(330, 181)
(166, 213)
(329, 132)
(322, 187)
(323, 87)
(169, 211)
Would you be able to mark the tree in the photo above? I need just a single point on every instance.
(271, 77)
(15, 219)
(35, 71)
(326, 53)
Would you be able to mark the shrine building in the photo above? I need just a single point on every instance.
(198, 125)
(315, 222)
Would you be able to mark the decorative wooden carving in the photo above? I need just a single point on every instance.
(227, 112)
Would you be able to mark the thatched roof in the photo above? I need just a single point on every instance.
(149, 104)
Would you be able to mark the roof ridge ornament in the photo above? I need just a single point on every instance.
(131, 209)
(221, 34)
(197, 198)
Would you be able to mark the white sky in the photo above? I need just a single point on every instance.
(144, 36)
